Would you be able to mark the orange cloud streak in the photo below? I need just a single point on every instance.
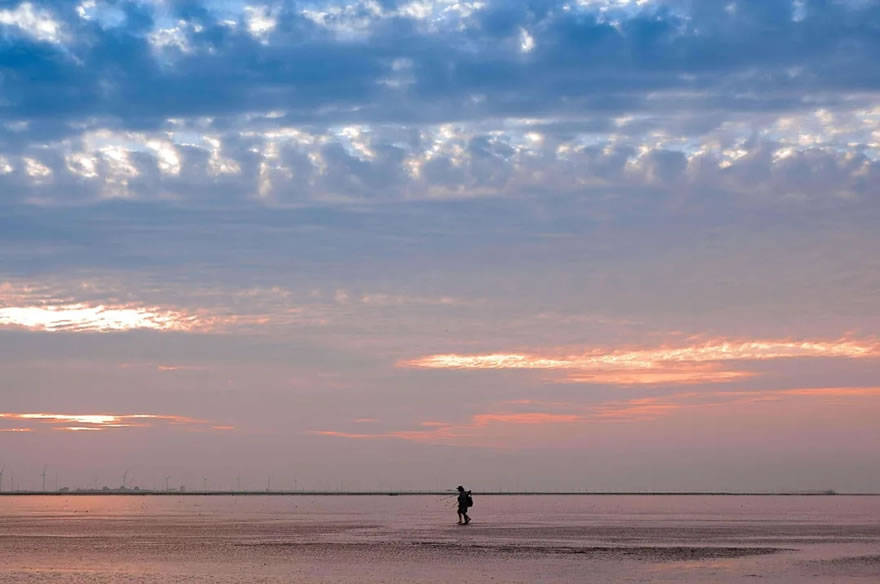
(477, 429)
(523, 418)
(651, 408)
(646, 408)
(694, 373)
(348, 434)
(649, 358)
(79, 429)
(700, 363)
(834, 391)
(447, 432)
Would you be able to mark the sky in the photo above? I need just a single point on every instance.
(606, 245)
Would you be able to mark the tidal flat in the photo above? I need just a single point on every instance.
(406, 539)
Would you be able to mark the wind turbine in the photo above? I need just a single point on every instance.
(2, 468)
(124, 478)
(166, 483)
(44, 477)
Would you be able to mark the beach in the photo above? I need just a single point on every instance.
(373, 539)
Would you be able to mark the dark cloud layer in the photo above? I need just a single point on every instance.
(751, 55)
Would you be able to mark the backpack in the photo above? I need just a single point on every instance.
(469, 501)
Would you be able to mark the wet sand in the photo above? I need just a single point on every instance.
(783, 540)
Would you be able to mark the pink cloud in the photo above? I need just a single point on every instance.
(351, 435)
(524, 418)
(446, 432)
(497, 429)
(682, 374)
(173, 368)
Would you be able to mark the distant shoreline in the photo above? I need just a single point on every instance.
(149, 493)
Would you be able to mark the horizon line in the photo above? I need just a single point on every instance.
(320, 493)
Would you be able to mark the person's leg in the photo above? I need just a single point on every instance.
(459, 518)
(467, 518)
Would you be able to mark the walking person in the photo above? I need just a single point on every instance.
(465, 501)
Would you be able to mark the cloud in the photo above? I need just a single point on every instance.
(504, 429)
(83, 318)
(524, 418)
(444, 432)
(351, 435)
(101, 422)
(88, 307)
(172, 368)
(663, 375)
(34, 22)
(100, 311)
(634, 96)
(718, 350)
(833, 391)
(344, 166)
(105, 305)
(651, 408)
(260, 21)
(698, 363)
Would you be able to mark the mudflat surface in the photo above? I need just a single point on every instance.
(406, 539)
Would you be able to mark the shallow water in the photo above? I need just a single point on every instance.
(374, 539)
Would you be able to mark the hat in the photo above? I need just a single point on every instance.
(460, 488)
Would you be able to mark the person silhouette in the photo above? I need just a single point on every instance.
(465, 501)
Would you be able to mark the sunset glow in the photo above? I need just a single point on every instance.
(96, 419)
(79, 429)
(100, 318)
(98, 422)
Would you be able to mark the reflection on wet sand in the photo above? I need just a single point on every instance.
(170, 540)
